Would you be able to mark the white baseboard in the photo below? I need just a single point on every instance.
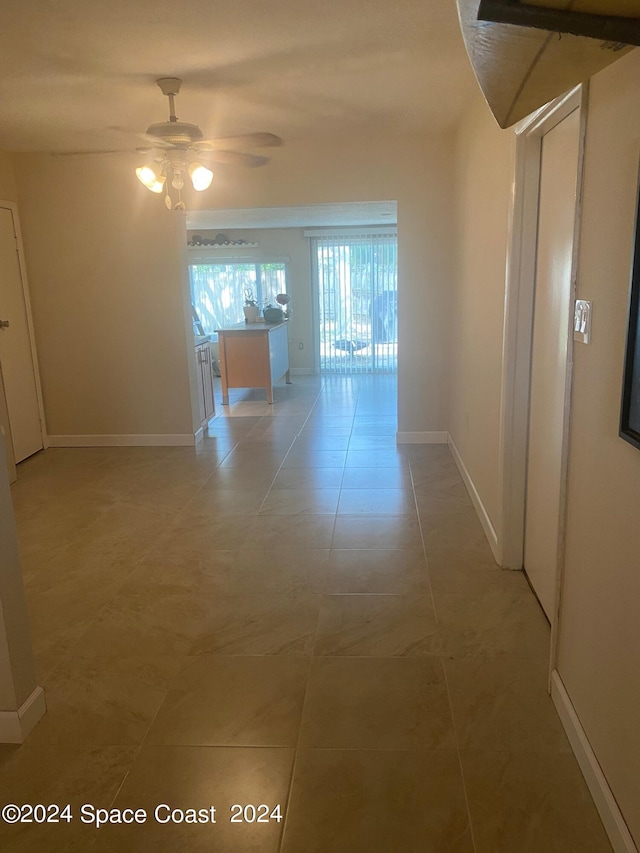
(141, 440)
(433, 437)
(610, 814)
(483, 515)
(199, 435)
(16, 725)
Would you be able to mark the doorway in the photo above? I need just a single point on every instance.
(17, 354)
(355, 282)
(538, 344)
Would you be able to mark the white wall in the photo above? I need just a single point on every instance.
(599, 640)
(105, 270)
(599, 632)
(104, 264)
(485, 158)
(8, 191)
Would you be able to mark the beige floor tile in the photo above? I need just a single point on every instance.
(315, 459)
(377, 801)
(263, 624)
(380, 458)
(377, 626)
(193, 777)
(259, 459)
(103, 553)
(300, 501)
(468, 572)
(58, 774)
(376, 478)
(308, 478)
(240, 479)
(56, 525)
(248, 571)
(320, 441)
(374, 428)
(192, 567)
(233, 701)
(59, 615)
(501, 703)
(372, 443)
(212, 501)
(377, 502)
(530, 802)
(496, 621)
(377, 703)
(104, 700)
(395, 572)
(193, 535)
(165, 622)
(438, 478)
(284, 531)
(161, 597)
(452, 529)
(377, 531)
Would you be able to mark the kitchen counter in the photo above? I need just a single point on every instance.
(253, 355)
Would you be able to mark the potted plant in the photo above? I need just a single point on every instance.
(251, 311)
(284, 299)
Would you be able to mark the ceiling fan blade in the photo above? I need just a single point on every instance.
(91, 153)
(247, 140)
(232, 158)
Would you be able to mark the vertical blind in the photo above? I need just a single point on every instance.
(356, 282)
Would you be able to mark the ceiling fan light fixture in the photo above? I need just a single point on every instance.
(148, 176)
(201, 177)
(177, 182)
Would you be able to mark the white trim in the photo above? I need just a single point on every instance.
(517, 332)
(22, 264)
(434, 437)
(16, 725)
(141, 440)
(483, 515)
(199, 435)
(612, 818)
(353, 231)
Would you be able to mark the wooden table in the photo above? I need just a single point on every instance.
(253, 355)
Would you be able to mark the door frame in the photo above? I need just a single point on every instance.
(518, 332)
(13, 207)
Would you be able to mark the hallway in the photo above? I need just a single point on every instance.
(297, 612)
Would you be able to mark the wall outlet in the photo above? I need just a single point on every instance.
(300, 345)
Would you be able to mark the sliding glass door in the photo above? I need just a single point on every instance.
(356, 285)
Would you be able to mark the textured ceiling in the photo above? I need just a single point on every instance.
(79, 75)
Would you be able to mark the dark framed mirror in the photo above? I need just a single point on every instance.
(630, 412)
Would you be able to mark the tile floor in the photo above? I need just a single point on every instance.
(297, 612)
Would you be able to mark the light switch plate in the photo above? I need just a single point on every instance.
(582, 321)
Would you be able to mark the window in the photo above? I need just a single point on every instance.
(218, 290)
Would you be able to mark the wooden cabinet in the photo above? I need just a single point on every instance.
(204, 374)
(253, 355)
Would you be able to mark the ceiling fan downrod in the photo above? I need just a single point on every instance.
(170, 86)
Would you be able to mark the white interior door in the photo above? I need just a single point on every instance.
(15, 347)
(552, 306)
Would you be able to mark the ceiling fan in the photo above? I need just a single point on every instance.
(182, 145)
